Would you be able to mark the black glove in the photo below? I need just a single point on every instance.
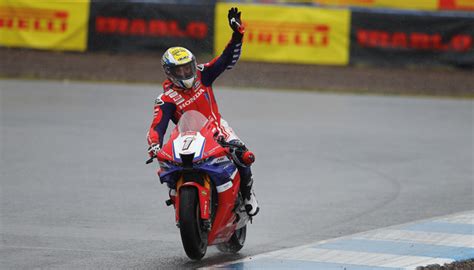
(153, 150)
(234, 21)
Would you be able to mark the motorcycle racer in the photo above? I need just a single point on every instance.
(189, 87)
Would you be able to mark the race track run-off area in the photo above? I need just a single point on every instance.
(438, 241)
(76, 193)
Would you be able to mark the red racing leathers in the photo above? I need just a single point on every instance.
(175, 101)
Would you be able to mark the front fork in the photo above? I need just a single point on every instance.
(204, 196)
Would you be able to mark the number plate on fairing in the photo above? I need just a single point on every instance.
(187, 144)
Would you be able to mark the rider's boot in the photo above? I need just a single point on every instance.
(246, 187)
(243, 159)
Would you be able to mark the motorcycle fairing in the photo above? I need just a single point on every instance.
(225, 217)
(210, 147)
(221, 171)
(190, 142)
(204, 195)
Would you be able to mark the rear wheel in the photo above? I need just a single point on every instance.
(193, 236)
(236, 241)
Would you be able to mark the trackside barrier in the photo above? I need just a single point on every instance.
(120, 26)
(289, 34)
(426, 5)
(412, 38)
(310, 35)
(152, 26)
(461, 5)
(49, 25)
(390, 4)
(275, 33)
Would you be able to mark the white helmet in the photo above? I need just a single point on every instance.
(180, 66)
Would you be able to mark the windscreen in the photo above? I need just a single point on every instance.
(191, 121)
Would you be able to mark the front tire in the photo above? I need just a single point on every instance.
(236, 241)
(193, 236)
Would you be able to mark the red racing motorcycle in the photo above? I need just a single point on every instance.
(209, 206)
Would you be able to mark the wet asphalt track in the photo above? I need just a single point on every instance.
(76, 193)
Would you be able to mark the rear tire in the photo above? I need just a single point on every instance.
(236, 241)
(193, 236)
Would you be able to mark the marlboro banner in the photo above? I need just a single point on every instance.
(46, 24)
(287, 34)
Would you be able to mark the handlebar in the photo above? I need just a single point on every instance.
(220, 141)
(150, 160)
(223, 143)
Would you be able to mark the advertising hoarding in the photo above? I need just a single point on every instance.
(286, 34)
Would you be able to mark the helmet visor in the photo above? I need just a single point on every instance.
(183, 72)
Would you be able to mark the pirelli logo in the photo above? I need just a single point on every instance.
(296, 34)
(345, 2)
(33, 20)
(289, 34)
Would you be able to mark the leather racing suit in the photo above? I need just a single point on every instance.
(174, 101)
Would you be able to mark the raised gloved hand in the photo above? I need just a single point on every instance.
(153, 150)
(234, 21)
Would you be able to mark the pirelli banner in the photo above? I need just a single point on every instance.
(150, 26)
(427, 5)
(392, 4)
(45, 24)
(288, 34)
(387, 38)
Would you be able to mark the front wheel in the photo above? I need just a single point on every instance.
(193, 236)
(236, 241)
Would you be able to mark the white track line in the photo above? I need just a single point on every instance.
(443, 239)
(315, 252)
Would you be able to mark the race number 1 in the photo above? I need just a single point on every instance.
(187, 143)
